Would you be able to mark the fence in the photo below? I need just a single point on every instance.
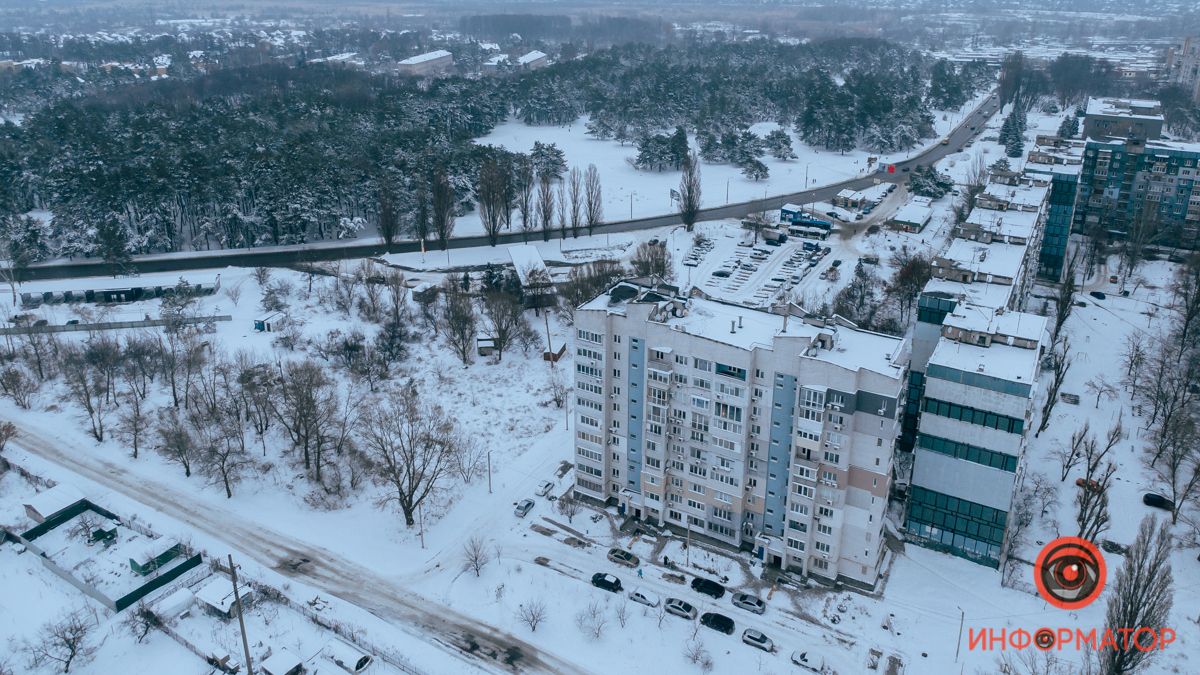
(110, 325)
(158, 582)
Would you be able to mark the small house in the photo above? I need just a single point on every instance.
(272, 323)
(849, 199)
(47, 503)
(485, 345)
(155, 554)
(281, 662)
(216, 596)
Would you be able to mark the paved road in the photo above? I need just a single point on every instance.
(279, 256)
(475, 642)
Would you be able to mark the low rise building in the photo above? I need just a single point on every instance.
(437, 62)
(1122, 118)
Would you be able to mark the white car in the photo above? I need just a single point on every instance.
(809, 661)
(644, 597)
(755, 638)
(544, 488)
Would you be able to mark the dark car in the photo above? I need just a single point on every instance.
(1149, 499)
(1098, 295)
(606, 581)
(708, 587)
(836, 263)
(721, 274)
(905, 169)
(717, 622)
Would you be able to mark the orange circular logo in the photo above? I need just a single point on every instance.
(1069, 573)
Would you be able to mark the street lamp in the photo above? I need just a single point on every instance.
(632, 194)
(727, 189)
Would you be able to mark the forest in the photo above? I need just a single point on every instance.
(290, 153)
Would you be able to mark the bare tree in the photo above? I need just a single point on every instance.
(594, 199)
(492, 198)
(756, 222)
(1134, 358)
(63, 642)
(532, 614)
(1062, 363)
(234, 293)
(442, 208)
(1101, 387)
(652, 260)
(1020, 517)
(412, 449)
(622, 612)
(458, 319)
(304, 405)
(8, 431)
(1070, 456)
(1186, 291)
(569, 506)
(564, 216)
(1141, 597)
(1176, 462)
(476, 555)
(504, 316)
(689, 191)
(1141, 231)
(525, 188)
(175, 443)
(586, 281)
(140, 620)
(133, 422)
(913, 270)
(471, 458)
(389, 219)
(18, 384)
(560, 389)
(1091, 500)
(222, 458)
(592, 620)
(262, 275)
(1041, 492)
(88, 387)
(545, 206)
(1064, 300)
(575, 195)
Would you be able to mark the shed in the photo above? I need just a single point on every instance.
(913, 217)
(850, 199)
(49, 502)
(536, 284)
(348, 657)
(485, 345)
(216, 596)
(281, 662)
(270, 323)
(155, 554)
(175, 604)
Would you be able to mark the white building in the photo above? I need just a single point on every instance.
(430, 63)
(754, 428)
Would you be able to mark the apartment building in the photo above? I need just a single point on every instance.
(438, 62)
(767, 431)
(1183, 66)
(1125, 179)
(1122, 118)
(979, 388)
(1060, 160)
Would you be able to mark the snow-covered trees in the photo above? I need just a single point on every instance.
(660, 152)
(779, 144)
(927, 182)
(1069, 127)
(458, 319)
(548, 160)
(593, 199)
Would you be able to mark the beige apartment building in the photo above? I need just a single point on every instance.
(768, 431)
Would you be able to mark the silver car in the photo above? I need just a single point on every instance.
(755, 638)
(644, 597)
(750, 603)
(523, 508)
(681, 609)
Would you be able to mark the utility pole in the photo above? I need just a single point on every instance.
(961, 618)
(421, 517)
(489, 472)
(237, 603)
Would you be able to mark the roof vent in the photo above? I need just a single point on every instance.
(732, 326)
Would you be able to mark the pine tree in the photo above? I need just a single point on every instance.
(779, 144)
(1015, 146)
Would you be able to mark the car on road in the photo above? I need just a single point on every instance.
(644, 598)
(523, 508)
(544, 488)
(779, 280)
(859, 217)
(1158, 501)
(708, 587)
(750, 603)
(717, 622)
(680, 608)
(608, 582)
(905, 169)
(1097, 295)
(972, 128)
(623, 557)
(755, 638)
(826, 251)
(834, 214)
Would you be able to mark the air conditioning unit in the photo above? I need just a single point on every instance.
(837, 427)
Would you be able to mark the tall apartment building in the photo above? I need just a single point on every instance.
(1062, 161)
(1122, 180)
(767, 431)
(1122, 118)
(979, 388)
(1183, 66)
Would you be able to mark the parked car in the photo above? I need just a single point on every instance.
(772, 242)
(1088, 484)
(523, 508)
(810, 246)
(755, 638)
(750, 603)
(826, 251)
(608, 582)
(1158, 501)
(1110, 546)
(721, 274)
(644, 598)
(623, 557)
(708, 587)
(834, 214)
(691, 262)
(1098, 295)
(859, 217)
(836, 263)
(544, 488)
(905, 169)
(717, 622)
(809, 661)
(868, 209)
(680, 608)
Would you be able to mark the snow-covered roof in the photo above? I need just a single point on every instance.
(997, 321)
(281, 661)
(1142, 109)
(986, 295)
(496, 60)
(1157, 144)
(914, 214)
(57, 498)
(995, 259)
(525, 259)
(217, 592)
(427, 56)
(791, 207)
(151, 549)
(847, 193)
(1028, 196)
(1004, 223)
(175, 604)
(1001, 361)
(530, 57)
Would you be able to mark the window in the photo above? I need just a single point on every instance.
(725, 444)
(824, 529)
(805, 473)
(701, 383)
(680, 359)
(798, 507)
(617, 372)
(589, 371)
(822, 547)
(697, 488)
(590, 388)
(832, 457)
(731, 371)
(824, 512)
(579, 466)
(591, 455)
(795, 544)
(728, 412)
(835, 438)
(697, 470)
(723, 497)
(803, 490)
(591, 438)
(700, 402)
(588, 403)
(971, 453)
(654, 462)
(696, 453)
(588, 336)
(730, 389)
(1012, 425)
(692, 503)
(701, 364)
(722, 514)
(829, 477)
(589, 421)
(590, 354)
(798, 526)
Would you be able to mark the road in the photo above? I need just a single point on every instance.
(280, 256)
(459, 635)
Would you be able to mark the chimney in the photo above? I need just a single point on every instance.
(732, 326)
(739, 320)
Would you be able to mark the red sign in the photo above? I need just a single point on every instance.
(891, 168)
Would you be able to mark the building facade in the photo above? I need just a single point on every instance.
(1183, 67)
(1122, 118)
(437, 62)
(767, 431)
(1062, 161)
